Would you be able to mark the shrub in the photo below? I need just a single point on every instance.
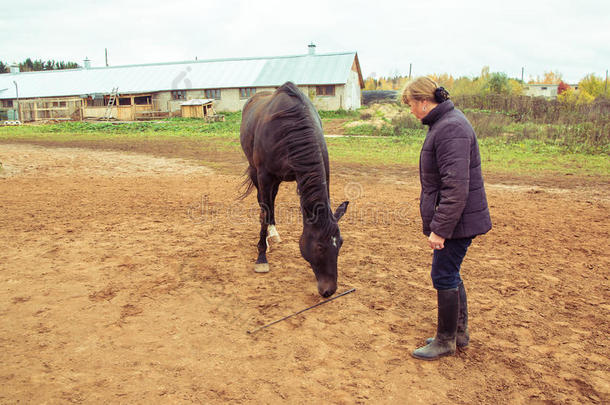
(405, 123)
(365, 115)
(592, 86)
(498, 83)
(566, 122)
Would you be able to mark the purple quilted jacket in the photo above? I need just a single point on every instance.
(453, 203)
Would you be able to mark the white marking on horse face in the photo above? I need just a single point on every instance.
(334, 241)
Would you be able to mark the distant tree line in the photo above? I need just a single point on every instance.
(30, 65)
(590, 88)
(486, 83)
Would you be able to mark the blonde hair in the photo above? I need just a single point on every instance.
(421, 88)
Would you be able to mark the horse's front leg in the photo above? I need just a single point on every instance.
(272, 234)
(266, 196)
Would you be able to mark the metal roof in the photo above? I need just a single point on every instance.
(316, 69)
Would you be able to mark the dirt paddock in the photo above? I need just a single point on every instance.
(126, 277)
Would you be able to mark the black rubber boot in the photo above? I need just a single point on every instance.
(444, 342)
(463, 337)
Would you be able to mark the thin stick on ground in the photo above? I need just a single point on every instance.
(250, 332)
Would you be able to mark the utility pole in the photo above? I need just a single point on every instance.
(522, 72)
(106, 52)
(410, 66)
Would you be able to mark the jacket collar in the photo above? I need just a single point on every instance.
(438, 112)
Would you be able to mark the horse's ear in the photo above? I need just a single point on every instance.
(341, 210)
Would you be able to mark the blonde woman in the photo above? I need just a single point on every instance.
(453, 207)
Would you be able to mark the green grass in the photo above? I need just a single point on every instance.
(529, 157)
(375, 151)
(170, 127)
(511, 154)
(339, 114)
(362, 129)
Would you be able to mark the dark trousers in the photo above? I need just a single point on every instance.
(446, 263)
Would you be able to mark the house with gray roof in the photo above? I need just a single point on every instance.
(332, 81)
(544, 90)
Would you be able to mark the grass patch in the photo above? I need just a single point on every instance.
(169, 127)
(361, 129)
(506, 146)
(339, 114)
(375, 151)
(529, 157)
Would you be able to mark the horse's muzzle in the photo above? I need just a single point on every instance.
(326, 290)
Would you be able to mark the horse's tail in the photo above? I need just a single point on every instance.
(247, 185)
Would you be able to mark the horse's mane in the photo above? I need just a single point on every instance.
(300, 137)
(301, 128)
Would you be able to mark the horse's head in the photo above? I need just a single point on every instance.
(322, 251)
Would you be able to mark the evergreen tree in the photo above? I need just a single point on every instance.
(30, 65)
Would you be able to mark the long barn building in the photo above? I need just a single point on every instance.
(332, 81)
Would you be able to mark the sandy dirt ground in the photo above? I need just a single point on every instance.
(126, 277)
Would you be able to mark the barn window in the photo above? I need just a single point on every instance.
(179, 95)
(7, 103)
(246, 92)
(328, 90)
(142, 100)
(107, 100)
(212, 94)
(95, 102)
(125, 101)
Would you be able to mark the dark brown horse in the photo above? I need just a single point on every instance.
(281, 135)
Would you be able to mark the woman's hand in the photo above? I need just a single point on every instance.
(436, 242)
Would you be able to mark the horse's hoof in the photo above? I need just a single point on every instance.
(261, 268)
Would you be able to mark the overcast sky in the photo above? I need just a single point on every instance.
(456, 37)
